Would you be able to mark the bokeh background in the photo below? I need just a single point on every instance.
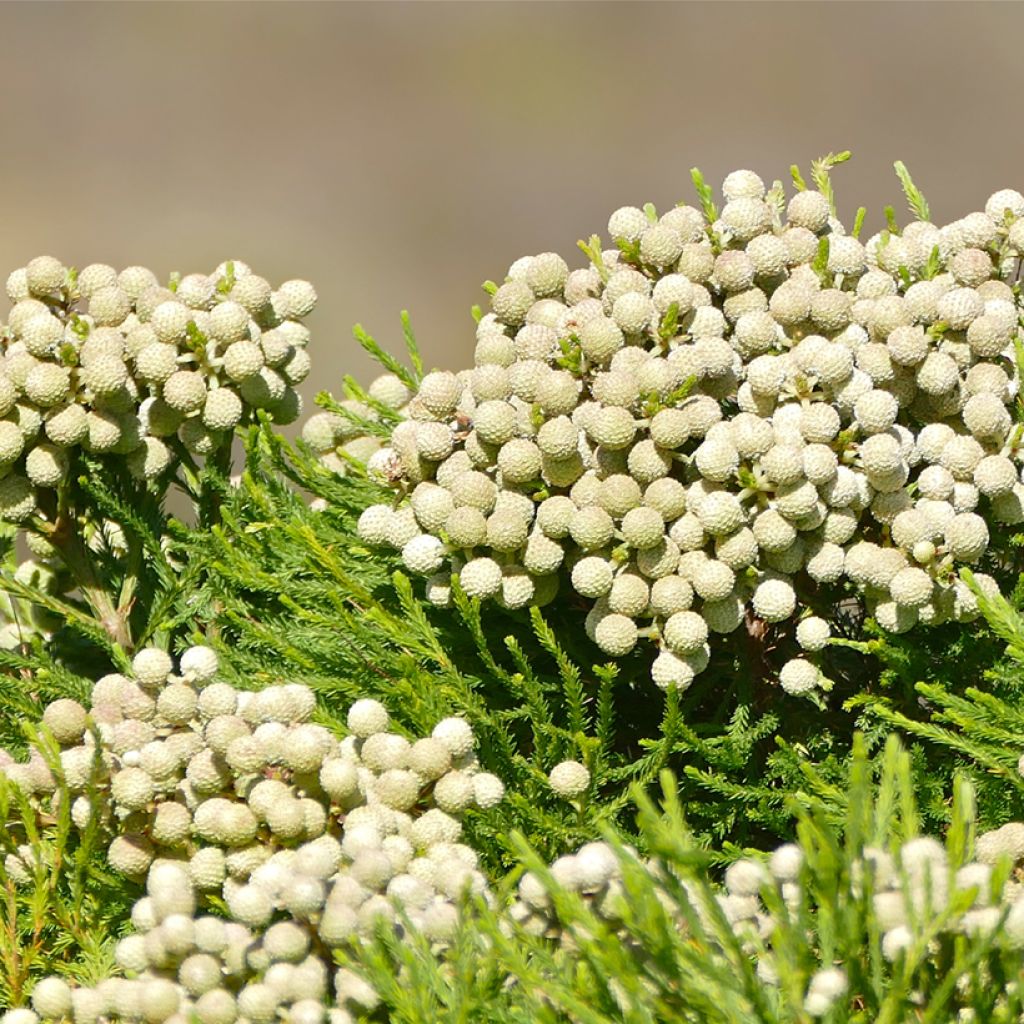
(397, 155)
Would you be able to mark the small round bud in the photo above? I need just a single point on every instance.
(199, 664)
(569, 779)
(798, 676)
(456, 735)
(813, 633)
(152, 666)
(367, 718)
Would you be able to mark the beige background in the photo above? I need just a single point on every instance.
(397, 155)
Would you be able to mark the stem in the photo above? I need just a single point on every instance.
(12, 954)
(201, 483)
(211, 498)
(760, 669)
(67, 540)
(190, 470)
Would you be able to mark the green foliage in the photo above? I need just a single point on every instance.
(592, 250)
(775, 197)
(820, 264)
(915, 200)
(821, 170)
(296, 595)
(370, 345)
(858, 221)
(978, 729)
(706, 196)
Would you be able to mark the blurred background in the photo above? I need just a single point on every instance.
(399, 154)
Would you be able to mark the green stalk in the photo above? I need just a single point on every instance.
(67, 540)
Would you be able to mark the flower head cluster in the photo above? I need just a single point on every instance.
(719, 412)
(104, 361)
(308, 841)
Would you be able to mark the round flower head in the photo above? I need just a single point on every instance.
(813, 633)
(798, 676)
(367, 718)
(66, 719)
(685, 631)
(294, 300)
(199, 664)
(223, 409)
(423, 554)
(774, 600)
(808, 209)
(786, 862)
(616, 634)
(743, 184)
(151, 460)
(569, 779)
(48, 385)
(488, 790)
(481, 577)
(627, 224)
(826, 987)
(44, 275)
(746, 877)
(456, 735)
(242, 360)
(592, 577)
(17, 285)
(152, 666)
(51, 998)
(1006, 200)
(228, 323)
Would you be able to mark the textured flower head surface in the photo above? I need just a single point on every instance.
(103, 361)
(725, 418)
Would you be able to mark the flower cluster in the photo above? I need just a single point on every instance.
(114, 362)
(914, 893)
(719, 412)
(216, 795)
